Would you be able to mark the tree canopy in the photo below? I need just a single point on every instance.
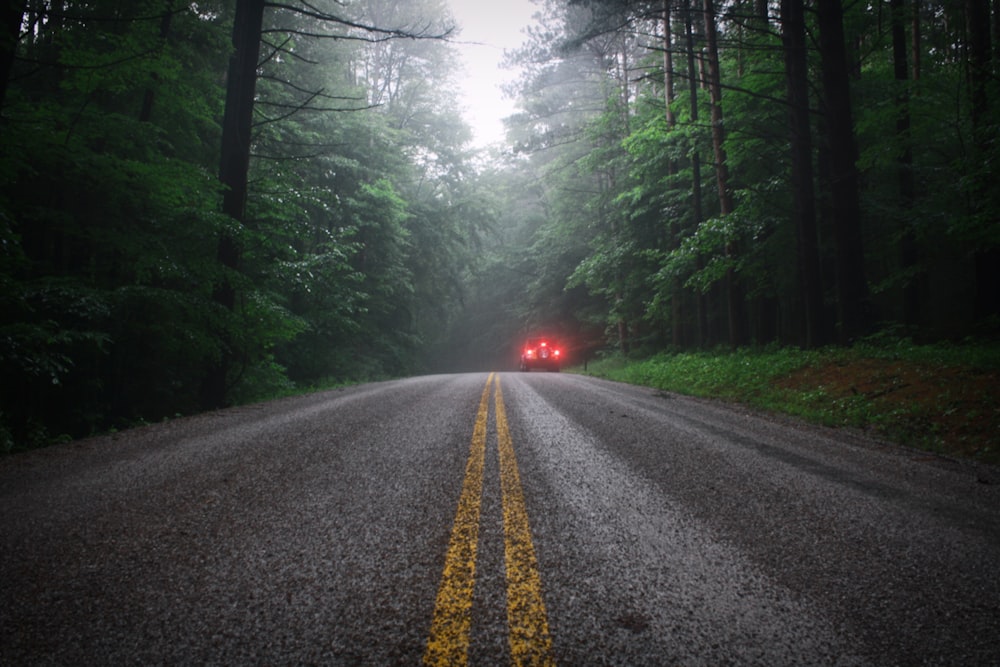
(210, 203)
(735, 173)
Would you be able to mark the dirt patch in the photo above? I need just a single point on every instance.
(951, 410)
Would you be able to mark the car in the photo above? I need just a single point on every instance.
(541, 353)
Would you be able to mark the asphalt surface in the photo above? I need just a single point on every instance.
(663, 530)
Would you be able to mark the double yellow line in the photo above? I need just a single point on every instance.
(530, 642)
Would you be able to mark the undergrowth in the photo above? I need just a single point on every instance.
(940, 397)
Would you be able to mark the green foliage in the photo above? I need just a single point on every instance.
(110, 213)
(639, 197)
(950, 387)
(372, 246)
(49, 322)
(738, 375)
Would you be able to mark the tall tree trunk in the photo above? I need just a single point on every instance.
(793, 34)
(734, 292)
(853, 304)
(986, 260)
(714, 80)
(237, 122)
(696, 203)
(11, 16)
(995, 27)
(668, 71)
(677, 290)
(234, 164)
(913, 290)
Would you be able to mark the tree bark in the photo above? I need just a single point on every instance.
(734, 292)
(237, 123)
(715, 93)
(696, 203)
(234, 165)
(853, 304)
(986, 260)
(913, 290)
(677, 290)
(793, 34)
(668, 68)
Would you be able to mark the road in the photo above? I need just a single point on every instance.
(512, 518)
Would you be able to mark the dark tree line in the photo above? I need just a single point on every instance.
(207, 203)
(802, 172)
(216, 202)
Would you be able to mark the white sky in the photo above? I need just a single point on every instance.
(487, 28)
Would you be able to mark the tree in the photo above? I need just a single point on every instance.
(238, 127)
(801, 176)
(241, 83)
(846, 178)
(853, 305)
(737, 334)
(909, 252)
(669, 95)
(984, 131)
(697, 209)
(112, 210)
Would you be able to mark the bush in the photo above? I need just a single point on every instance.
(940, 397)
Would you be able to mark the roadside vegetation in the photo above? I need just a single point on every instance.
(942, 397)
(180, 233)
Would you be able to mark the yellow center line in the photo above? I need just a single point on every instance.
(448, 643)
(530, 642)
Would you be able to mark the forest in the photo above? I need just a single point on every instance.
(205, 204)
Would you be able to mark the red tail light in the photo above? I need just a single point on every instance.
(541, 351)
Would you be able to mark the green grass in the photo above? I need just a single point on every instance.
(942, 397)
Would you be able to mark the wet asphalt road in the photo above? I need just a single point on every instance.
(664, 530)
